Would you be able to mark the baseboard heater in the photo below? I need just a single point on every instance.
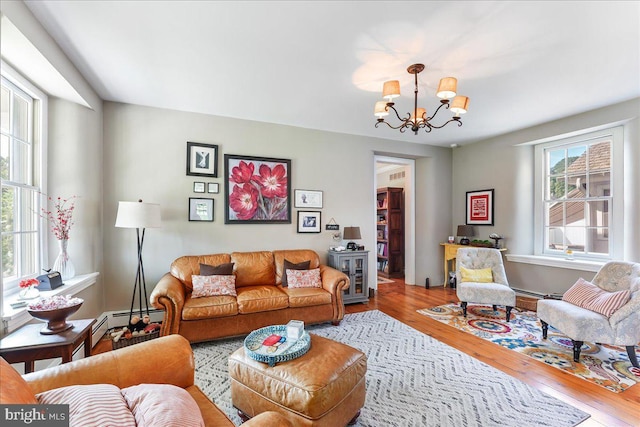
(528, 293)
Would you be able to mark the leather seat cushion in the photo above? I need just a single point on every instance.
(312, 384)
(209, 307)
(254, 299)
(307, 297)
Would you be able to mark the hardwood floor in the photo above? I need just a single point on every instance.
(401, 302)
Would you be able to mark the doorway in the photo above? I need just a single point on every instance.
(397, 172)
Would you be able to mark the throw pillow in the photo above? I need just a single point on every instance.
(482, 275)
(288, 265)
(209, 286)
(162, 405)
(94, 404)
(589, 296)
(209, 270)
(304, 278)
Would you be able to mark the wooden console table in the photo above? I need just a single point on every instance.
(27, 344)
(450, 253)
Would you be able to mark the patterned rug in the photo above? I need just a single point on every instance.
(605, 365)
(413, 380)
(384, 280)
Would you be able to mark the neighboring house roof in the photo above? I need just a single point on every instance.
(599, 158)
(575, 210)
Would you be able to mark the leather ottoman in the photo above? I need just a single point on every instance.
(324, 387)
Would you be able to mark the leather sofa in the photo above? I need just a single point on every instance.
(165, 360)
(261, 299)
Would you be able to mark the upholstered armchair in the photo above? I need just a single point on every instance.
(481, 279)
(610, 315)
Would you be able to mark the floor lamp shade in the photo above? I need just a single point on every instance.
(138, 215)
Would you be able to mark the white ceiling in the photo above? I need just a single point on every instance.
(321, 64)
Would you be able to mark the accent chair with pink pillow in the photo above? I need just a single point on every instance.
(605, 310)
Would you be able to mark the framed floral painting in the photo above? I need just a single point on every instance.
(257, 190)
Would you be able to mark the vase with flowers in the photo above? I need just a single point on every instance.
(29, 290)
(61, 220)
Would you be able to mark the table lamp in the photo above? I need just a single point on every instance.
(465, 231)
(138, 215)
(351, 233)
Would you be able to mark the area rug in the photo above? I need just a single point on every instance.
(412, 380)
(382, 280)
(605, 365)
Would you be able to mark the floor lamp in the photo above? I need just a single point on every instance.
(138, 215)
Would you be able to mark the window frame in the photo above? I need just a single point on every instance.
(616, 188)
(38, 138)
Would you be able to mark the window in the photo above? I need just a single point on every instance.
(581, 195)
(20, 147)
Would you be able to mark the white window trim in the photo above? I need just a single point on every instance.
(616, 234)
(40, 138)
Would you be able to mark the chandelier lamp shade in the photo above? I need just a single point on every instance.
(138, 215)
(418, 119)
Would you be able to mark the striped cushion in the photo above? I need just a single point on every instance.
(91, 405)
(587, 295)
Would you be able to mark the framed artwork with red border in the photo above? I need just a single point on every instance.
(480, 207)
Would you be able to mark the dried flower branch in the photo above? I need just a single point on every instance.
(60, 219)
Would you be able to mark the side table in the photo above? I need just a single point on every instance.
(27, 344)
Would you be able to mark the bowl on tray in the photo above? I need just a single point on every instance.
(55, 310)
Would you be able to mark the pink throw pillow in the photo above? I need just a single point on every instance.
(304, 278)
(162, 405)
(209, 286)
(587, 295)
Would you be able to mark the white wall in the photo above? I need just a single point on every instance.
(145, 157)
(504, 165)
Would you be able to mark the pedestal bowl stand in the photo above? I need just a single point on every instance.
(56, 319)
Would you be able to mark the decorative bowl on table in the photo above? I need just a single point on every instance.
(55, 310)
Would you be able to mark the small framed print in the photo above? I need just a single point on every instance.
(480, 207)
(309, 221)
(198, 187)
(213, 187)
(202, 159)
(308, 199)
(200, 209)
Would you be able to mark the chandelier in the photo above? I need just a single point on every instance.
(418, 119)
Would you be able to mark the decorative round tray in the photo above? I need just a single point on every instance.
(286, 350)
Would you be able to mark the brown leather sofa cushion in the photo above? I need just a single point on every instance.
(209, 307)
(254, 299)
(254, 268)
(307, 297)
(185, 267)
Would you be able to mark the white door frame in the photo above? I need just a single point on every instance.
(410, 217)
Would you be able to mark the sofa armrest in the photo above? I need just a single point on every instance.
(164, 360)
(169, 295)
(335, 282)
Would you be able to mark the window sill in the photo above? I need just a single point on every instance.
(572, 264)
(13, 318)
